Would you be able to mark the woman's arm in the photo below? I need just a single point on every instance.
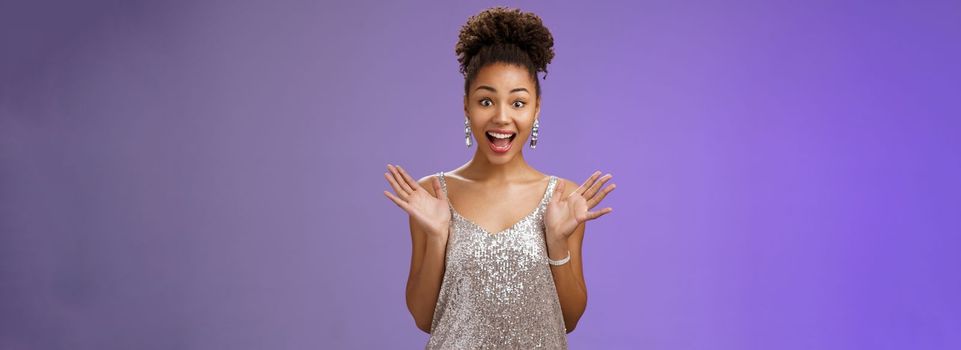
(569, 278)
(426, 269)
(430, 217)
(566, 217)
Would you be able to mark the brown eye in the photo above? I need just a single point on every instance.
(486, 102)
(519, 104)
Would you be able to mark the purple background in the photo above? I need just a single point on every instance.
(208, 174)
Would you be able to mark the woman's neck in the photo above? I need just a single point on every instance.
(481, 169)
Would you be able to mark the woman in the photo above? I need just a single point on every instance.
(493, 272)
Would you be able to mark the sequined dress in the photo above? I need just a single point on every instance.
(498, 291)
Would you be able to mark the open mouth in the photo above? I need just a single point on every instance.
(500, 141)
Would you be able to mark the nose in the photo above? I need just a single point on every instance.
(502, 117)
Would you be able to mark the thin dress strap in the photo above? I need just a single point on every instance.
(443, 187)
(546, 197)
(481, 304)
(549, 192)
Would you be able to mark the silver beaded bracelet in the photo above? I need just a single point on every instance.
(560, 262)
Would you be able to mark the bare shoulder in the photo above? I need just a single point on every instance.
(427, 183)
(569, 186)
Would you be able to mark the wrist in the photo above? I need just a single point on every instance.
(556, 242)
(556, 236)
(560, 262)
(437, 239)
(557, 249)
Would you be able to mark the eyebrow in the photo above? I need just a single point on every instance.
(485, 87)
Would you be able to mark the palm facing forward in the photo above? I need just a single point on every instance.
(429, 212)
(564, 214)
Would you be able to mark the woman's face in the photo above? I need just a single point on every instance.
(501, 101)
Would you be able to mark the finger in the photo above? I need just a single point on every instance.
(400, 179)
(400, 202)
(409, 180)
(591, 215)
(597, 186)
(580, 190)
(558, 192)
(393, 183)
(598, 198)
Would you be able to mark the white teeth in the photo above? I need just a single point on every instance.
(500, 136)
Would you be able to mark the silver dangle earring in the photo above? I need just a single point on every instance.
(534, 134)
(467, 132)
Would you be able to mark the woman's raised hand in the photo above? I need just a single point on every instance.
(429, 212)
(564, 214)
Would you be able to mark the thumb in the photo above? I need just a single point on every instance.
(558, 192)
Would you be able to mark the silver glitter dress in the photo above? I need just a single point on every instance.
(498, 291)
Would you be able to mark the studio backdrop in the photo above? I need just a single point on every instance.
(209, 174)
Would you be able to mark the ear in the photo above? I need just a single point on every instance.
(537, 108)
(465, 106)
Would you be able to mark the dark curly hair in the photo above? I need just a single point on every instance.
(506, 35)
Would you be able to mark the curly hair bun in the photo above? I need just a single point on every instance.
(504, 34)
